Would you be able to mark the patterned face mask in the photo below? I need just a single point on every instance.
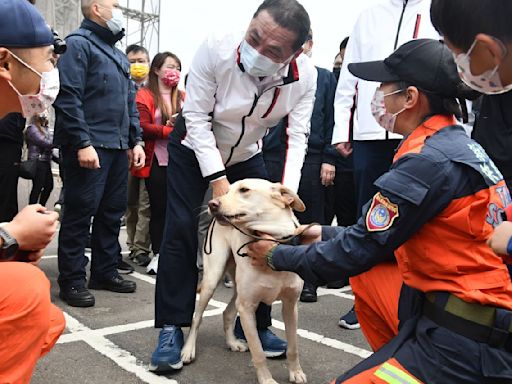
(385, 119)
(32, 105)
(488, 82)
(171, 77)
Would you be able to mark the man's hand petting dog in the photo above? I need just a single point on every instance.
(258, 250)
(309, 234)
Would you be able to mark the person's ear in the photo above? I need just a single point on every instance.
(95, 9)
(490, 48)
(5, 70)
(412, 96)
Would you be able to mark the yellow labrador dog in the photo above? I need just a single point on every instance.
(251, 206)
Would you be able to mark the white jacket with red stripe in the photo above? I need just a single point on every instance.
(227, 112)
(377, 33)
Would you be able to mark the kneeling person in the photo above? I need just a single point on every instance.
(435, 210)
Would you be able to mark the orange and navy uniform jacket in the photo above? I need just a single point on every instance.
(435, 210)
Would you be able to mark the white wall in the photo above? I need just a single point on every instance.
(184, 24)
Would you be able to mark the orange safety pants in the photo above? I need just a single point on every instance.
(377, 292)
(29, 323)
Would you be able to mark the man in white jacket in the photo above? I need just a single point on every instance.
(379, 30)
(237, 88)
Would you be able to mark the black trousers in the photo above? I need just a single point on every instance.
(371, 160)
(101, 193)
(177, 276)
(156, 185)
(312, 193)
(42, 185)
(274, 169)
(11, 154)
(340, 200)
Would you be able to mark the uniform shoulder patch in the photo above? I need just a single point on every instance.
(381, 215)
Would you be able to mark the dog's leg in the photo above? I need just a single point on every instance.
(248, 319)
(230, 314)
(214, 265)
(290, 317)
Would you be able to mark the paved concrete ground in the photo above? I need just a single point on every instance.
(113, 341)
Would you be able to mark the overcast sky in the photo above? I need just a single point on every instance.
(185, 24)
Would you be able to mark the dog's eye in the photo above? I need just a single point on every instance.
(244, 190)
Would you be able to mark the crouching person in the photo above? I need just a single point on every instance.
(435, 211)
(29, 323)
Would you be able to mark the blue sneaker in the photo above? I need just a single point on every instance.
(272, 345)
(167, 355)
(349, 320)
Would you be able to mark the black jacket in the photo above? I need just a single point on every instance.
(96, 104)
(320, 149)
(493, 130)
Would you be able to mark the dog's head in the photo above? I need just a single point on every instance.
(258, 205)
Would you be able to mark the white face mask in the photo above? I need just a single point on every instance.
(385, 119)
(488, 82)
(116, 23)
(32, 105)
(256, 64)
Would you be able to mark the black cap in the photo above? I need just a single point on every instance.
(425, 63)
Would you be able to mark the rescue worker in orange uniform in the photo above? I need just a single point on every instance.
(29, 323)
(435, 210)
(483, 53)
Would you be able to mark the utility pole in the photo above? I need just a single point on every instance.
(142, 23)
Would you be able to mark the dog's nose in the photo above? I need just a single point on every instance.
(214, 205)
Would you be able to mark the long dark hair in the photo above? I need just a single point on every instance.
(156, 64)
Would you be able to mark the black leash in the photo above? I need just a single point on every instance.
(255, 238)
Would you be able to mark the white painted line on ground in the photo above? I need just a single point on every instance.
(146, 278)
(333, 343)
(84, 333)
(119, 356)
(335, 292)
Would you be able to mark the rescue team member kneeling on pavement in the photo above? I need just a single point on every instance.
(29, 323)
(237, 88)
(435, 209)
(484, 56)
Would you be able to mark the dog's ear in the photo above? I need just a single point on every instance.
(289, 198)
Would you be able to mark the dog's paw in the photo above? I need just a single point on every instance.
(298, 377)
(188, 354)
(270, 381)
(238, 346)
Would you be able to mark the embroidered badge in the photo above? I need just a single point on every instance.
(381, 215)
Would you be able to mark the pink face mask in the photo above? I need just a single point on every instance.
(171, 77)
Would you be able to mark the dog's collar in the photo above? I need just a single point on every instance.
(252, 234)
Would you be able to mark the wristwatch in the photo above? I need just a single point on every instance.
(9, 244)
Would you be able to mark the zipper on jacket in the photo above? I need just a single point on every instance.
(400, 25)
(254, 103)
(397, 36)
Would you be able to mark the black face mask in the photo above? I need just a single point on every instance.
(336, 71)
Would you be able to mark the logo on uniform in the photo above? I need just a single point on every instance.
(381, 215)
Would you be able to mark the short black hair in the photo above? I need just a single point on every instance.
(344, 43)
(461, 20)
(289, 14)
(134, 48)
